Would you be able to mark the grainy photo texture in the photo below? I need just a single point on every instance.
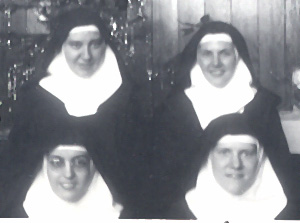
(146, 109)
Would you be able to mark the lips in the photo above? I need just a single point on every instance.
(235, 175)
(68, 186)
(85, 65)
(216, 73)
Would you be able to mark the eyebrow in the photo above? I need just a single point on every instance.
(227, 146)
(83, 155)
(100, 39)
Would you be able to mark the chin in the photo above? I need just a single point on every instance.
(234, 189)
(85, 74)
(238, 191)
(71, 198)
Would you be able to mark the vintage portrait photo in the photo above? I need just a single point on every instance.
(150, 109)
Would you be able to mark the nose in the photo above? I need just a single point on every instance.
(86, 53)
(216, 60)
(236, 162)
(69, 171)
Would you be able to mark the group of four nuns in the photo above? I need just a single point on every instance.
(73, 151)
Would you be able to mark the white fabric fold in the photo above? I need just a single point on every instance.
(211, 102)
(211, 203)
(83, 96)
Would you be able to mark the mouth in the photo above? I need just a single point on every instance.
(68, 186)
(85, 65)
(216, 73)
(235, 176)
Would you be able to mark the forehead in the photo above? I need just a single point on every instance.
(84, 36)
(216, 46)
(236, 146)
(69, 151)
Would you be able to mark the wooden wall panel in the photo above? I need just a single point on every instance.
(292, 33)
(292, 55)
(189, 11)
(165, 30)
(271, 42)
(244, 18)
(218, 9)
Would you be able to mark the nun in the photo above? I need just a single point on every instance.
(79, 75)
(237, 181)
(60, 180)
(214, 76)
(80, 79)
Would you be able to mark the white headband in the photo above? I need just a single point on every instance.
(70, 147)
(87, 28)
(216, 38)
(239, 138)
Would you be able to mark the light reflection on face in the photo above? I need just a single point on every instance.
(84, 52)
(235, 165)
(218, 61)
(69, 171)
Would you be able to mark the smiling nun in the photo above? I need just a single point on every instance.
(237, 182)
(59, 180)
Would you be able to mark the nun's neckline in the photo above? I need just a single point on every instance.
(83, 96)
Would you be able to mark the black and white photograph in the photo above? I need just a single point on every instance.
(150, 109)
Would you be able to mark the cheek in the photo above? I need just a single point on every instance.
(220, 160)
(219, 165)
(230, 63)
(71, 55)
(83, 176)
(98, 54)
(53, 176)
(250, 168)
(203, 62)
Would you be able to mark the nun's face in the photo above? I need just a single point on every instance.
(84, 52)
(218, 61)
(235, 165)
(70, 172)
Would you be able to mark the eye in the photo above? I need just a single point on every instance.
(56, 162)
(205, 53)
(75, 44)
(249, 153)
(81, 162)
(226, 52)
(224, 152)
(96, 43)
